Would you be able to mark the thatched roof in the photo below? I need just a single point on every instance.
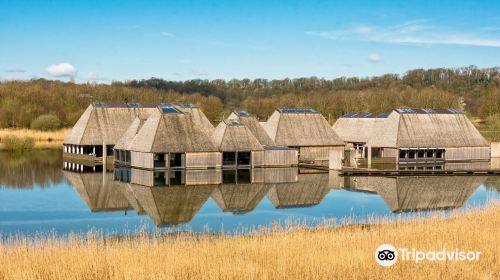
(253, 124)
(172, 131)
(232, 136)
(239, 198)
(412, 128)
(172, 206)
(403, 194)
(198, 116)
(125, 142)
(106, 122)
(309, 190)
(301, 127)
(99, 191)
(363, 127)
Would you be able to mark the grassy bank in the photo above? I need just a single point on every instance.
(41, 139)
(344, 253)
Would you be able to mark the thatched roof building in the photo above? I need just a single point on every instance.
(232, 136)
(106, 122)
(169, 129)
(300, 127)
(99, 191)
(171, 138)
(306, 130)
(356, 128)
(309, 190)
(446, 129)
(419, 128)
(172, 206)
(403, 194)
(253, 125)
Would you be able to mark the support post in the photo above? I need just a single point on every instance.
(369, 156)
(104, 156)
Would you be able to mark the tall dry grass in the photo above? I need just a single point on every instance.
(43, 139)
(322, 253)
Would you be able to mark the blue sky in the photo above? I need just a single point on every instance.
(177, 40)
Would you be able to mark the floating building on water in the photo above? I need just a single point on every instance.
(414, 136)
(305, 130)
(273, 155)
(100, 127)
(238, 145)
(170, 138)
(253, 125)
(180, 136)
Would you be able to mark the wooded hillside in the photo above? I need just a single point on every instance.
(477, 91)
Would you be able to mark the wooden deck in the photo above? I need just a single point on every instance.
(422, 172)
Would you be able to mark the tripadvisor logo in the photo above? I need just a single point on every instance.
(387, 255)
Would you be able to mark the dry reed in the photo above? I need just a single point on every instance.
(43, 139)
(320, 253)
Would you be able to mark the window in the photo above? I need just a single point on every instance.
(297, 110)
(244, 158)
(403, 154)
(411, 154)
(228, 158)
(159, 160)
(439, 154)
(176, 160)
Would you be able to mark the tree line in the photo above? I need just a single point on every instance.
(477, 91)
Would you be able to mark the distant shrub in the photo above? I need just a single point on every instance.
(46, 123)
(18, 144)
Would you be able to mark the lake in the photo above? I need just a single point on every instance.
(39, 193)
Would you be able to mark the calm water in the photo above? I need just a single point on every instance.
(37, 195)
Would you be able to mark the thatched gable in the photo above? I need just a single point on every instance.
(106, 122)
(254, 125)
(99, 191)
(125, 142)
(301, 127)
(172, 206)
(232, 136)
(172, 132)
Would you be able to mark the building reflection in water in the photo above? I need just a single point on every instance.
(406, 194)
(174, 198)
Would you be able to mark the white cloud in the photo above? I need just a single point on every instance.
(167, 34)
(416, 32)
(62, 70)
(374, 57)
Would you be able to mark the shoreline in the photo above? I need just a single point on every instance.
(345, 252)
